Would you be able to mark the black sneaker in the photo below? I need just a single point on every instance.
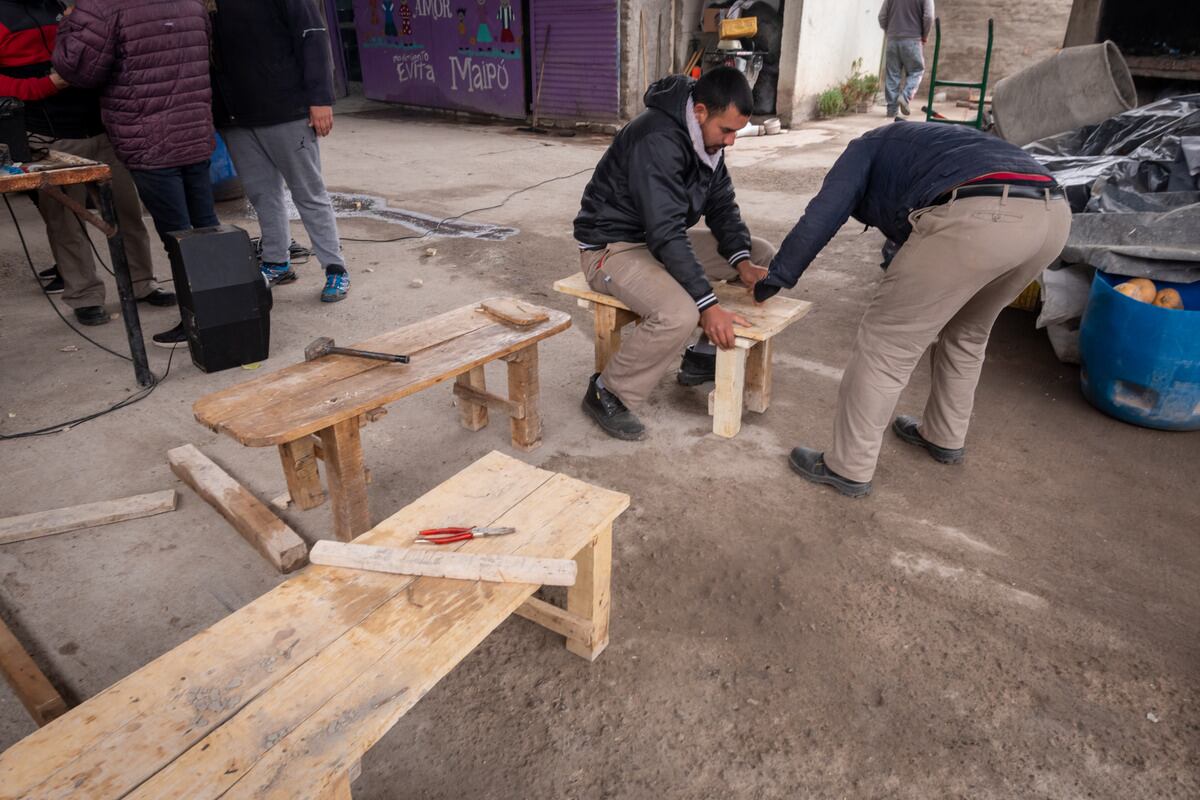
(49, 272)
(158, 297)
(909, 429)
(810, 465)
(697, 368)
(91, 315)
(172, 338)
(55, 284)
(611, 414)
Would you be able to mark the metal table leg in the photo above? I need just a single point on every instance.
(129, 311)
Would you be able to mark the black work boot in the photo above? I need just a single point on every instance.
(611, 414)
(908, 429)
(697, 368)
(91, 315)
(810, 465)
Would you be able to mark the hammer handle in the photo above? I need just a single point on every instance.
(348, 351)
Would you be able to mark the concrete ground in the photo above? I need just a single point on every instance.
(1024, 625)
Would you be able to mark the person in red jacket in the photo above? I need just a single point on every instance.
(68, 120)
(149, 59)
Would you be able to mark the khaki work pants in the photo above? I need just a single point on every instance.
(70, 245)
(669, 316)
(964, 262)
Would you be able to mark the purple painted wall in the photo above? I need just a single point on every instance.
(580, 52)
(457, 54)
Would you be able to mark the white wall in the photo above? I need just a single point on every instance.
(821, 39)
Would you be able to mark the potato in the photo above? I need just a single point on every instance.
(1169, 298)
(1131, 289)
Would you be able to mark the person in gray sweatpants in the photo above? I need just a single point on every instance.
(907, 24)
(273, 100)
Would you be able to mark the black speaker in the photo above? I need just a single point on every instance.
(224, 299)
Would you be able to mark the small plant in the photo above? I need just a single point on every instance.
(831, 103)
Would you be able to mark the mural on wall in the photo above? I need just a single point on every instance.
(459, 54)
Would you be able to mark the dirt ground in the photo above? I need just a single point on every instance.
(1024, 625)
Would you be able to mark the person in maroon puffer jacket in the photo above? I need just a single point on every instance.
(150, 60)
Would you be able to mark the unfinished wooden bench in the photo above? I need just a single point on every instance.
(282, 698)
(743, 372)
(313, 411)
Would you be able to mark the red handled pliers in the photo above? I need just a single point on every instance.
(451, 535)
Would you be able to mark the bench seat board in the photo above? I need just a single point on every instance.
(277, 698)
(305, 398)
(766, 320)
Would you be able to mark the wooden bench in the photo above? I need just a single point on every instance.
(743, 372)
(282, 698)
(313, 411)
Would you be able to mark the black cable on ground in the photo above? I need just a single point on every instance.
(128, 401)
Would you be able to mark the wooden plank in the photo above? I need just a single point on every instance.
(728, 394)
(556, 619)
(486, 399)
(298, 412)
(608, 334)
(412, 659)
(300, 471)
(346, 475)
(40, 698)
(766, 320)
(591, 596)
(66, 176)
(89, 515)
(438, 564)
(524, 390)
(135, 728)
(257, 524)
(293, 739)
(514, 312)
(758, 377)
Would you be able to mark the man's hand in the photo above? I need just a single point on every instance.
(750, 273)
(718, 323)
(57, 80)
(320, 119)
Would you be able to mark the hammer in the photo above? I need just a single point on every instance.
(325, 347)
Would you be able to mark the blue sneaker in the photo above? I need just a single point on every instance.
(337, 286)
(277, 273)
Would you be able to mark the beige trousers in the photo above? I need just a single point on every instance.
(669, 316)
(70, 245)
(964, 262)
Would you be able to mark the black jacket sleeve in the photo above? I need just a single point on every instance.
(724, 219)
(655, 168)
(310, 41)
(840, 194)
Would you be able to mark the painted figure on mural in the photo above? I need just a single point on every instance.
(461, 13)
(405, 19)
(506, 17)
(389, 18)
(483, 36)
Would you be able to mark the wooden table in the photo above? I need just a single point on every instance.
(282, 698)
(743, 372)
(334, 396)
(62, 169)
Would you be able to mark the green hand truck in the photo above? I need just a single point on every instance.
(934, 83)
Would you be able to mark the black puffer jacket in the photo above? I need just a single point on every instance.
(651, 186)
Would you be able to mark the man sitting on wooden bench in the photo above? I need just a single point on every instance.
(663, 172)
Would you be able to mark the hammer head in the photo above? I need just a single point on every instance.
(318, 348)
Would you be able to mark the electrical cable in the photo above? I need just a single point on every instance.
(438, 226)
(141, 394)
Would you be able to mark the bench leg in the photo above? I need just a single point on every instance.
(727, 397)
(474, 415)
(346, 474)
(608, 334)
(591, 595)
(300, 470)
(758, 377)
(523, 389)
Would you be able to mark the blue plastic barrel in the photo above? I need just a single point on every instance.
(1141, 363)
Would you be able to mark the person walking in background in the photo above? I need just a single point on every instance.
(68, 120)
(149, 59)
(907, 24)
(273, 81)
